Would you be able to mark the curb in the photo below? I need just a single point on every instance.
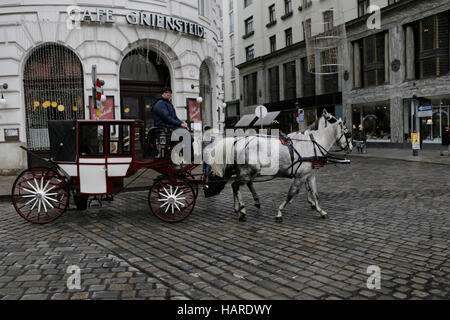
(400, 159)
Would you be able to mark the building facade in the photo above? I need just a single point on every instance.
(230, 52)
(48, 49)
(394, 50)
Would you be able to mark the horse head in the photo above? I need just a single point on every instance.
(342, 134)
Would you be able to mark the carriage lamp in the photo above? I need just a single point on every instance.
(2, 99)
(199, 100)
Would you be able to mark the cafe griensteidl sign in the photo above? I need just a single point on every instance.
(77, 15)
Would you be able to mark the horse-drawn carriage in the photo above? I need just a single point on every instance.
(91, 159)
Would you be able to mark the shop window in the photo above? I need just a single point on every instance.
(274, 84)
(290, 83)
(53, 90)
(375, 121)
(433, 127)
(250, 89)
(119, 139)
(432, 46)
(92, 140)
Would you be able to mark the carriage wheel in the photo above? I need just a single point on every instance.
(171, 198)
(40, 195)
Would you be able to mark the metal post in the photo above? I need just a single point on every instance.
(94, 90)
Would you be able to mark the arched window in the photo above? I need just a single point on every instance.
(53, 88)
(141, 65)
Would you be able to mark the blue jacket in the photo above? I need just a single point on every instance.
(164, 115)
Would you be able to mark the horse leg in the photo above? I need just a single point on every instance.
(239, 206)
(254, 194)
(310, 184)
(293, 190)
(315, 196)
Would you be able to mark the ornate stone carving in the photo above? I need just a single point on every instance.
(395, 65)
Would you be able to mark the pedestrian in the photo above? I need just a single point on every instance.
(360, 139)
(446, 139)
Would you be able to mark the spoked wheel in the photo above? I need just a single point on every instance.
(40, 195)
(171, 198)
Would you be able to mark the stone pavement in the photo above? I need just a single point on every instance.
(392, 214)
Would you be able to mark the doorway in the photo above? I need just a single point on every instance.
(143, 74)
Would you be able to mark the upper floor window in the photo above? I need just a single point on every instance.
(249, 26)
(373, 54)
(250, 52)
(363, 6)
(247, 3)
(393, 1)
(272, 16)
(250, 89)
(232, 45)
(288, 34)
(307, 4)
(306, 29)
(231, 2)
(273, 43)
(233, 67)
(328, 20)
(432, 46)
(287, 6)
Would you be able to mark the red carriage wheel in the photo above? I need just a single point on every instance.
(40, 195)
(171, 198)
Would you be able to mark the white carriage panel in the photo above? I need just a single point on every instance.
(117, 170)
(92, 160)
(120, 160)
(70, 169)
(92, 179)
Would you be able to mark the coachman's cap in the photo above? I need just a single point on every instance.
(166, 89)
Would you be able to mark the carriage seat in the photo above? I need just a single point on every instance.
(159, 142)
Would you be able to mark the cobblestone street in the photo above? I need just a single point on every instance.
(389, 213)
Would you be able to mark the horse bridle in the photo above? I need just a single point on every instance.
(345, 132)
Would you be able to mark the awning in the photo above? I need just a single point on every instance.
(245, 121)
(267, 120)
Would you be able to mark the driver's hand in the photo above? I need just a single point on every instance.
(184, 125)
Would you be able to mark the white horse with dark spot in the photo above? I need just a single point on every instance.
(294, 161)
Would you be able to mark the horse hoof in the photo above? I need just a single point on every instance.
(324, 217)
(257, 205)
(279, 219)
(242, 218)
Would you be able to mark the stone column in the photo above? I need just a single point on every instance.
(319, 78)
(386, 58)
(397, 55)
(396, 119)
(410, 54)
(357, 65)
(299, 77)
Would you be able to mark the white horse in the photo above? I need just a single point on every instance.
(293, 162)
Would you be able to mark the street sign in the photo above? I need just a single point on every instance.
(425, 111)
(300, 115)
(415, 138)
(261, 111)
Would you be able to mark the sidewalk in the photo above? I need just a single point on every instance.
(425, 156)
(143, 179)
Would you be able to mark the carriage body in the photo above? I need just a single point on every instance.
(91, 159)
(97, 155)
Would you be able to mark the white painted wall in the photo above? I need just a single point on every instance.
(27, 24)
